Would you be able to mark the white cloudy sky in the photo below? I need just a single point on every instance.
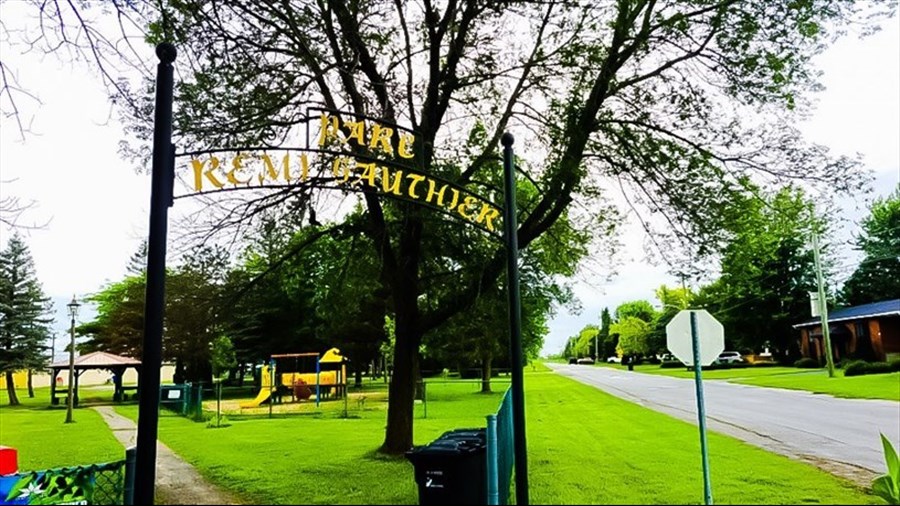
(97, 207)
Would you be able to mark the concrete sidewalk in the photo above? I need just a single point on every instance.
(177, 482)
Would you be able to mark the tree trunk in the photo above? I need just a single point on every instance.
(358, 378)
(30, 385)
(11, 389)
(486, 373)
(399, 434)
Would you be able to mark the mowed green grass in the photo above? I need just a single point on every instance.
(584, 446)
(318, 457)
(870, 386)
(43, 440)
(587, 447)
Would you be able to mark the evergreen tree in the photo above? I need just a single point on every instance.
(24, 314)
(137, 264)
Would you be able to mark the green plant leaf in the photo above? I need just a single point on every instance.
(885, 488)
(891, 458)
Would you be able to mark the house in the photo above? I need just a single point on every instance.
(869, 332)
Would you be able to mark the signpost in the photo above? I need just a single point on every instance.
(696, 338)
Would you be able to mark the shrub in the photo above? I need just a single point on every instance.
(860, 367)
(807, 363)
(895, 365)
(671, 364)
(766, 363)
(856, 368)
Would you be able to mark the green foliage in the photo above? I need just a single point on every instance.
(767, 268)
(887, 486)
(222, 355)
(860, 368)
(24, 314)
(640, 309)
(633, 333)
(895, 365)
(807, 363)
(877, 277)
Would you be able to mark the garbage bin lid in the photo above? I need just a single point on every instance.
(448, 448)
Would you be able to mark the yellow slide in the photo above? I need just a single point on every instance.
(264, 392)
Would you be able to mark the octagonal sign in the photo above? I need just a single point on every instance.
(710, 334)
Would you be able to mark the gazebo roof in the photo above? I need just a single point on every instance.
(97, 360)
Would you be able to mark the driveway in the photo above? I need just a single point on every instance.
(839, 435)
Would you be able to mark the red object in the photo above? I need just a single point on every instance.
(9, 460)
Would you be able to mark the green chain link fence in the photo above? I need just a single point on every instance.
(106, 483)
(500, 448)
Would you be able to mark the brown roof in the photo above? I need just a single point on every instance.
(97, 360)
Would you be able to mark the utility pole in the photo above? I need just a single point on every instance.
(823, 305)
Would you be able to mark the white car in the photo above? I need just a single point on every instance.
(585, 360)
(614, 360)
(729, 357)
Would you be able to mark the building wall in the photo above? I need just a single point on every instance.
(890, 336)
(91, 377)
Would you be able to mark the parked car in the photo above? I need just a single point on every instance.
(586, 360)
(614, 360)
(729, 357)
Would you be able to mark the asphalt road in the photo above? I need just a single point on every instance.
(841, 435)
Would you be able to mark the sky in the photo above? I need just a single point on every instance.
(94, 207)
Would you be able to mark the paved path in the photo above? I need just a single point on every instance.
(839, 435)
(177, 482)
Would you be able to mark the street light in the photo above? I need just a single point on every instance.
(73, 311)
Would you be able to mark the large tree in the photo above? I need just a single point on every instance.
(878, 275)
(24, 315)
(671, 102)
(767, 272)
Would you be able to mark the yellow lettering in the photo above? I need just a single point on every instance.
(406, 142)
(455, 198)
(488, 214)
(382, 135)
(368, 173)
(304, 167)
(415, 179)
(467, 203)
(270, 172)
(237, 164)
(328, 129)
(198, 166)
(388, 186)
(357, 131)
(341, 169)
(432, 193)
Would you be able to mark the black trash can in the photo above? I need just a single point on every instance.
(452, 468)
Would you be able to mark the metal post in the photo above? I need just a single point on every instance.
(162, 180)
(515, 316)
(701, 410)
(493, 476)
(130, 457)
(272, 388)
(318, 370)
(71, 400)
(823, 306)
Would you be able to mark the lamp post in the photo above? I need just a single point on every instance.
(73, 311)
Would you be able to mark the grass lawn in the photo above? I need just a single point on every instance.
(870, 386)
(585, 447)
(44, 441)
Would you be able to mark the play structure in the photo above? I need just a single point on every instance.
(302, 375)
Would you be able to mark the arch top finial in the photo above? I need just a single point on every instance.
(507, 139)
(166, 52)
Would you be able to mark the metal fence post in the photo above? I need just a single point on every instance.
(128, 491)
(493, 486)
